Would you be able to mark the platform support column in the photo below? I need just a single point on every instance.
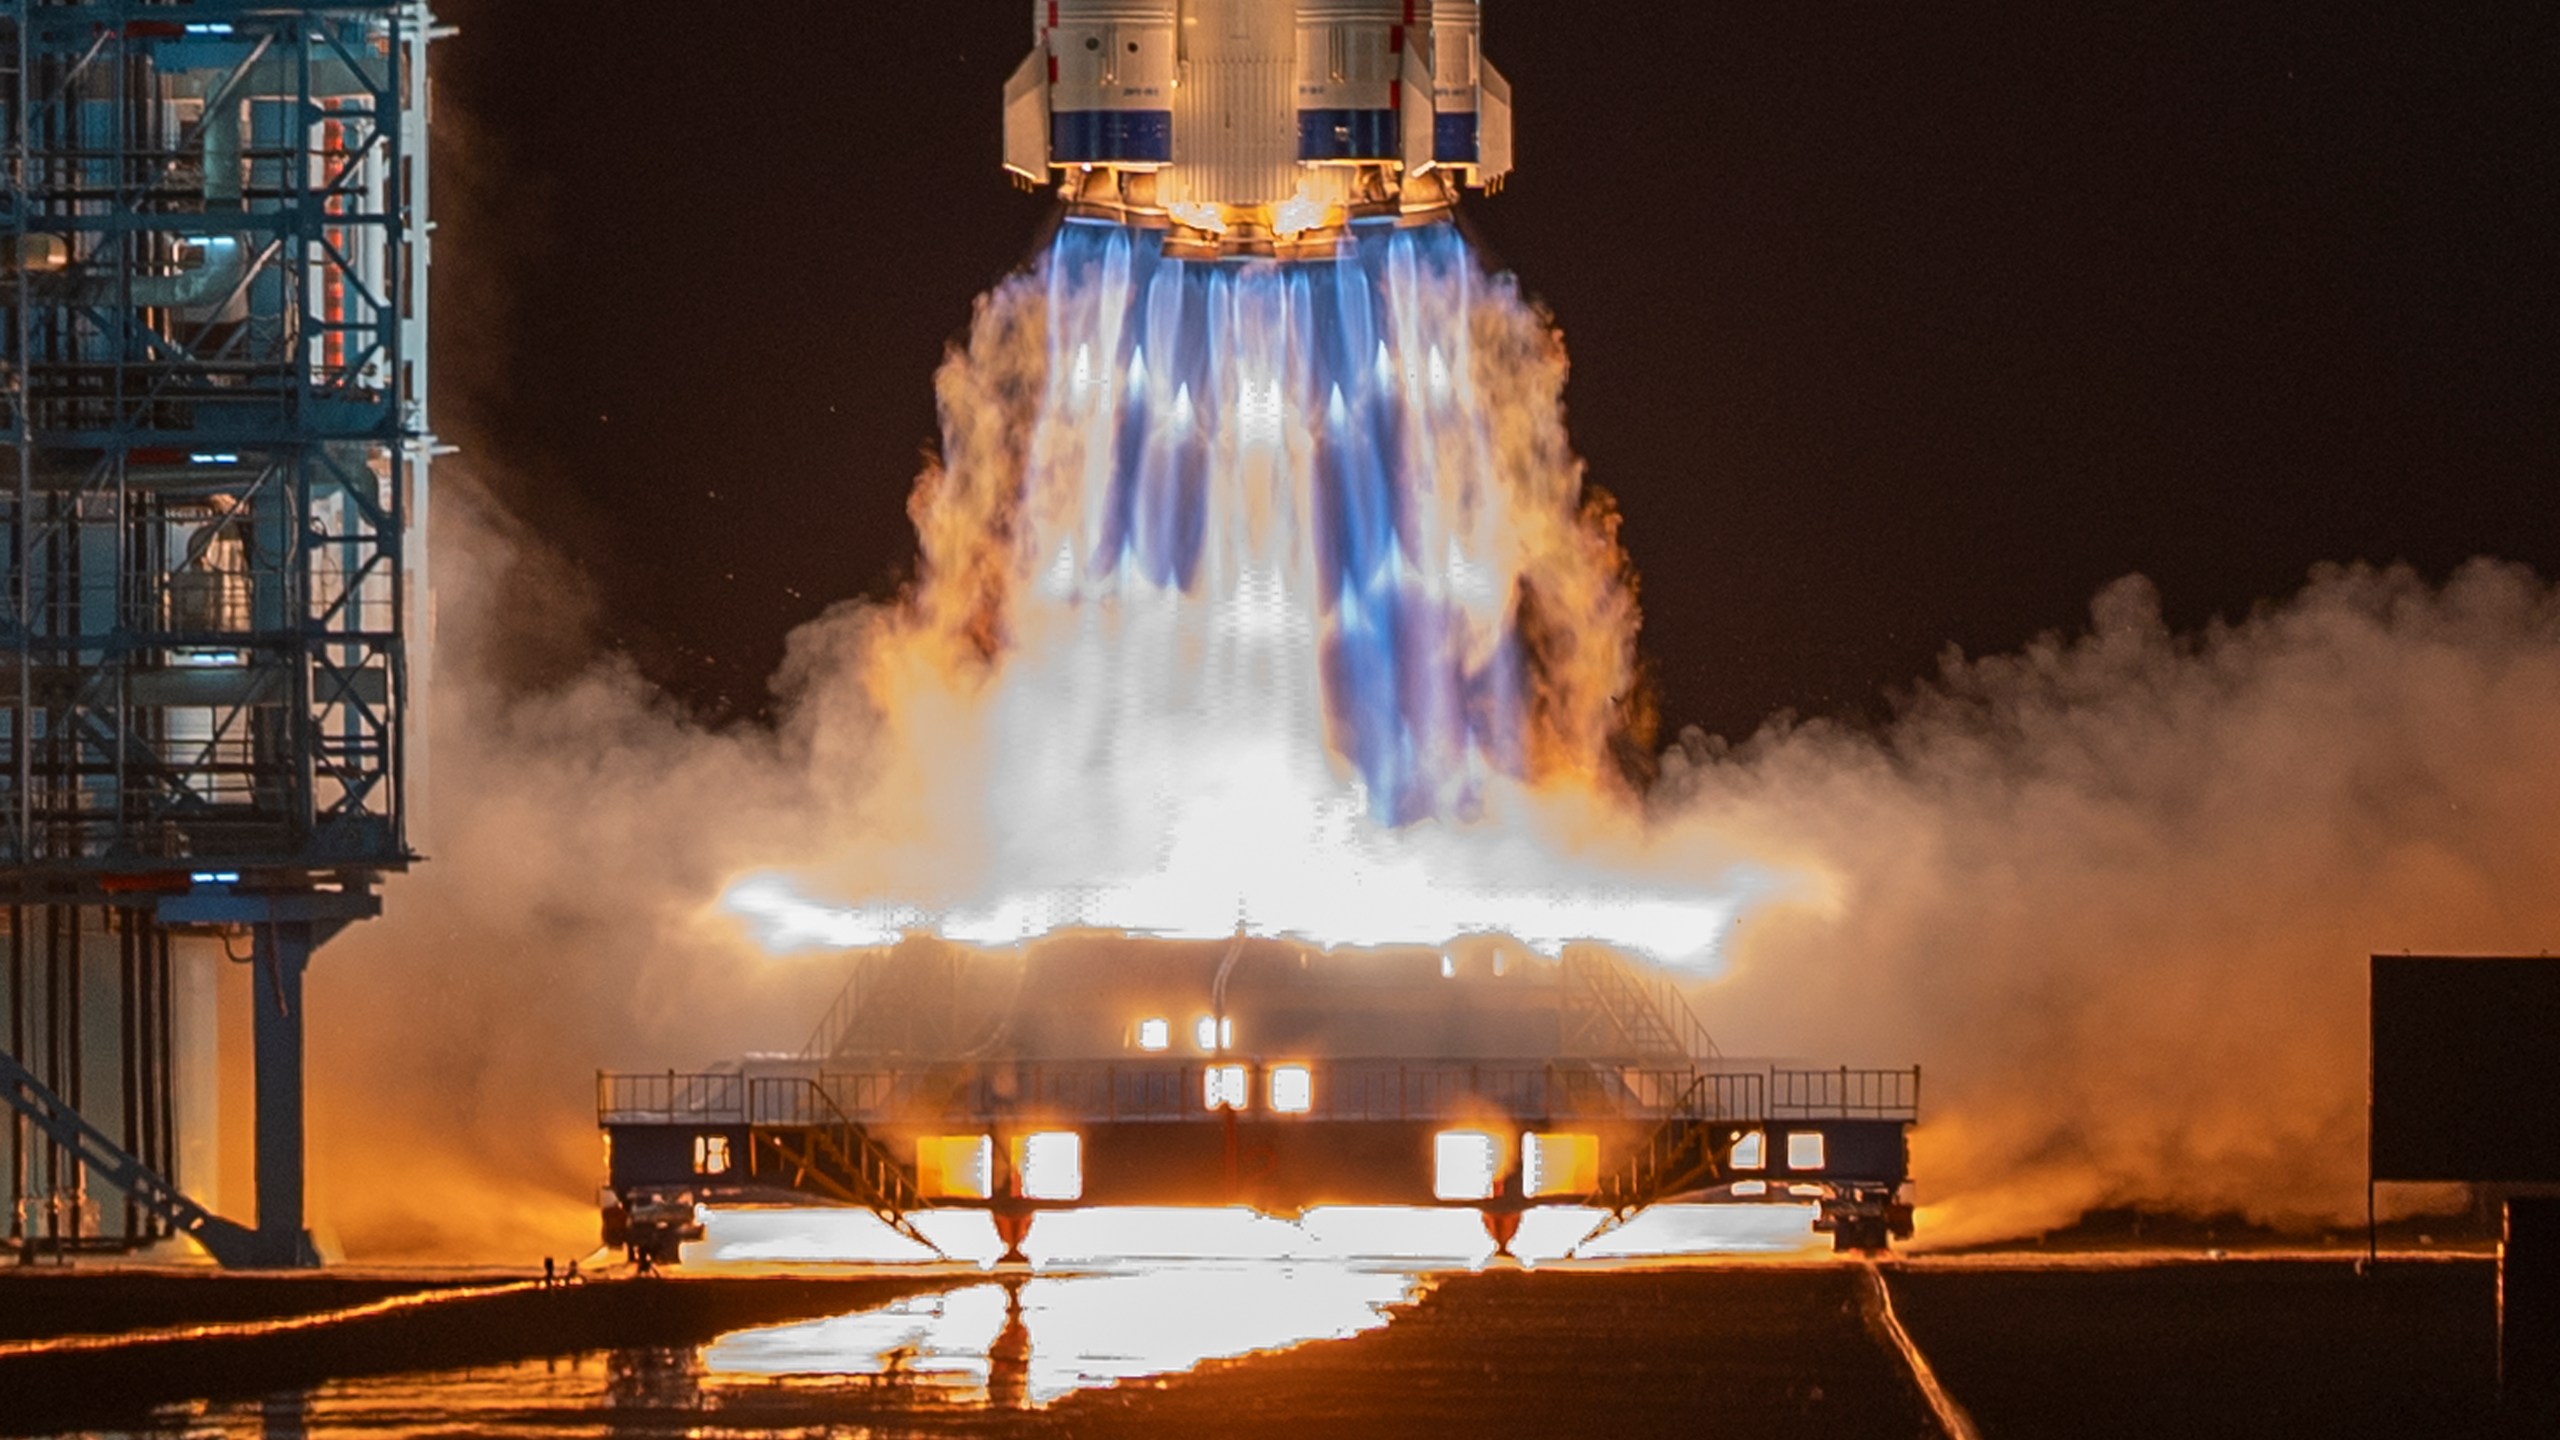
(284, 954)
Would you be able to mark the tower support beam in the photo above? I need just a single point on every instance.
(284, 953)
(286, 929)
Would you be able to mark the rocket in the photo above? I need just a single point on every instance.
(1257, 127)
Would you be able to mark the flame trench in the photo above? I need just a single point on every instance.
(1264, 595)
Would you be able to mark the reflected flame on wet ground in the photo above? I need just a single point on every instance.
(1014, 1344)
(1121, 1238)
(1115, 1297)
(1028, 1342)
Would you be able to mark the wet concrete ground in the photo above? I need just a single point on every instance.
(1760, 1352)
(423, 1335)
(2237, 1348)
(37, 1303)
(2254, 1348)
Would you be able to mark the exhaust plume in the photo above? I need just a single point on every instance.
(1256, 596)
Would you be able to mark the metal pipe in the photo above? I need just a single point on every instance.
(165, 1056)
(53, 949)
(210, 270)
(129, 1039)
(225, 146)
(22, 594)
(20, 1175)
(75, 969)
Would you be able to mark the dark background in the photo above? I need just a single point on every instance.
(2483, 1110)
(1893, 326)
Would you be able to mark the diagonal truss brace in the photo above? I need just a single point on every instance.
(231, 1245)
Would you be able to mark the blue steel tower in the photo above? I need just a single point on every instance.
(213, 383)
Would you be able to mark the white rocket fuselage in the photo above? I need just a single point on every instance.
(1258, 126)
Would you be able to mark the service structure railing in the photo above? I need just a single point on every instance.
(669, 1098)
(1342, 1090)
(1844, 1094)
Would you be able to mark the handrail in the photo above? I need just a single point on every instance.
(1349, 1089)
(859, 1169)
(1647, 1011)
(833, 1026)
(1641, 1180)
(1844, 1094)
(1693, 1032)
(879, 1169)
(671, 1098)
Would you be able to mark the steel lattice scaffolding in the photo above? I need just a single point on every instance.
(213, 384)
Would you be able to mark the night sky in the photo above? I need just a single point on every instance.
(1893, 327)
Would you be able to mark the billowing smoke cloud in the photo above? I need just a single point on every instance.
(2114, 892)
(582, 832)
(578, 836)
(2117, 892)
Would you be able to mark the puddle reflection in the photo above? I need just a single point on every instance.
(1029, 1342)
(1383, 1235)
(1015, 1344)
(988, 1356)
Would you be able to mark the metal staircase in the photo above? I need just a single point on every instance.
(1683, 1152)
(232, 1246)
(1611, 1013)
(837, 1025)
(814, 1145)
(894, 1004)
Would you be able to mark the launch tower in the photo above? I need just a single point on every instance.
(213, 379)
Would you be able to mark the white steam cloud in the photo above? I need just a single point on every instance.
(2114, 892)
(2117, 892)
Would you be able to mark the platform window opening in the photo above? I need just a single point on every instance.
(1050, 1165)
(1806, 1152)
(1553, 1165)
(1293, 1089)
(1224, 1087)
(1214, 1033)
(956, 1167)
(1155, 1034)
(710, 1154)
(1465, 1165)
(1751, 1150)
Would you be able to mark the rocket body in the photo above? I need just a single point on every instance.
(1258, 126)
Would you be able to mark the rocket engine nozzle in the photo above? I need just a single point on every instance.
(1258, 127)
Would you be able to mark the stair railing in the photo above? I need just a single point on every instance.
(1648, 1014)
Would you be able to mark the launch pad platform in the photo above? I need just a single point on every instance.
(1128, 1073)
